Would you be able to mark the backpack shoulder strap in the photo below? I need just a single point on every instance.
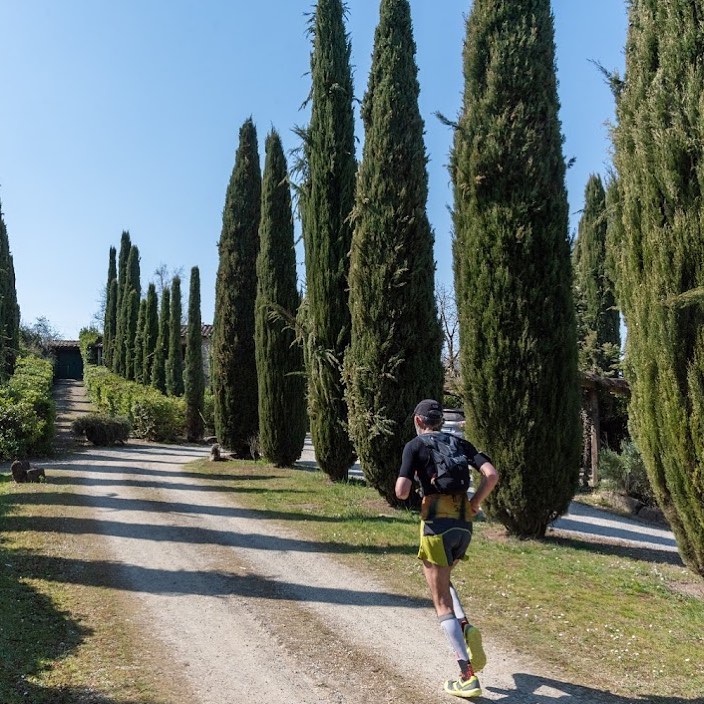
(429, 440)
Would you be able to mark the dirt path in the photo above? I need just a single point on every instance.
(238, 608)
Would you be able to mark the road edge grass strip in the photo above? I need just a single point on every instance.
(580, 608)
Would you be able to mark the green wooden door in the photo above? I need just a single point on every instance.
(69, 364)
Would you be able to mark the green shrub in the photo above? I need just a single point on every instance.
(152, 415)
(88, 339)
(27, 410)
(209, 412)
(625, 471)
(20, 429)
(158, 417)
(101, 429)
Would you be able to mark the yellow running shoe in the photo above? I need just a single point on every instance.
(473, 639)
(465, 688)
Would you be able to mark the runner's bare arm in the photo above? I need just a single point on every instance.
(488, 481)
(403, 488)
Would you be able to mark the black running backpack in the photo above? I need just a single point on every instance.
(451, 468)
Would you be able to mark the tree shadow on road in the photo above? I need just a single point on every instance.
(117, 503)
(192, 535)
(134, 578)
(533, 689)
(177, 470)
(172, 486)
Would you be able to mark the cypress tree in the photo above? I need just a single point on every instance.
(138, 362)
(512, 266)
(234, 366)
(9, 308)
(161, 353)
(660, 255)
(151, 334)
(110, 309)
(3, 374)
(129, 314)
(282, 404)
(194, 380)
(598, 331)
(125, 248)
(117, 356)
(111, 320)
(131, 321)
(174, 361)
(614, 232)
(394, 357)
(327, 233)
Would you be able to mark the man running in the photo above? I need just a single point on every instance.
(445, 534)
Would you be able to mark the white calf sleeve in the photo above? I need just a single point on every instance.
(456, 605)
(453, 632)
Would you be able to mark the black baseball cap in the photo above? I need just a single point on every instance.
(428, 408)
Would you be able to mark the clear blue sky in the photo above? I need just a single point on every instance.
(126, 116)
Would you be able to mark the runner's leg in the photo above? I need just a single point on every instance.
(438, 579)
(472, 635)
(457, 605)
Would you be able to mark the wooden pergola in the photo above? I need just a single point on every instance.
(592, 384)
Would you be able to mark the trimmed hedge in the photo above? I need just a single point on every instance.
(152, 415)
(27, 410)
(101, 429)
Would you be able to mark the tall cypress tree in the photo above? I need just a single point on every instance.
(138, 361)
(614, 232)
(3, 373)
(282, 403)
(328, 199)
(117, 356)
(161, 353)
(174, 362)
(394, 357)
(598, 331)
(129, 314)
(234, 365)
(9, 308)
(660, 255)
(598, 324)
(512, 265)
(194, 379)
(111, 319)
(110, 309)
(125, 247)
(151, 333)
(132, 305)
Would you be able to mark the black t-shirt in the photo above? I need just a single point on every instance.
(417, 461)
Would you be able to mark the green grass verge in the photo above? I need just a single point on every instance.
(593, 613)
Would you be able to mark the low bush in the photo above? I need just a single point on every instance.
(151, 415)
(209, 412)
(27, 410)
(101, 429)
(626, 473)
